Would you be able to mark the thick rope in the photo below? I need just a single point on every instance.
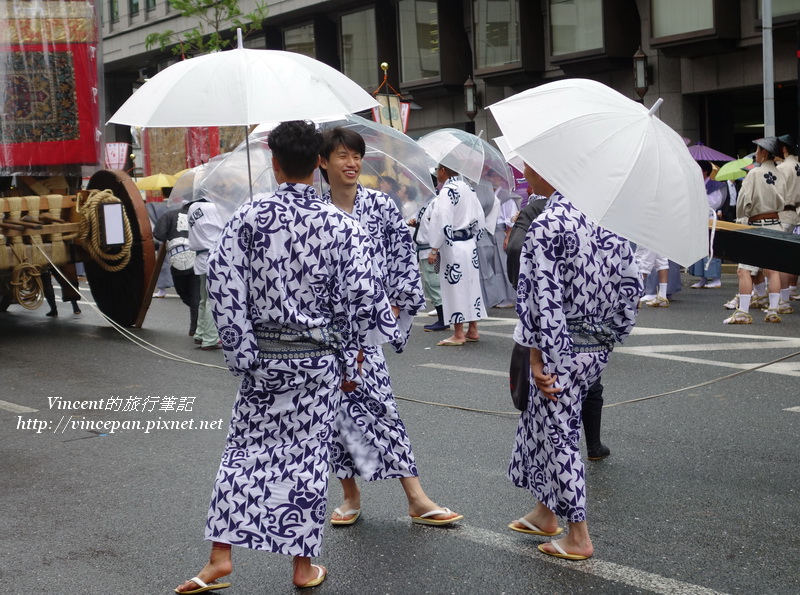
(26, 285)
(89, 235)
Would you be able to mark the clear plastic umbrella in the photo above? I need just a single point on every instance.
(473, 158)
(393, 158)
(390, 154)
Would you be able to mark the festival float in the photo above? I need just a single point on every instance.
(50, 137)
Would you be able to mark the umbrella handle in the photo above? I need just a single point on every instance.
(655, 107)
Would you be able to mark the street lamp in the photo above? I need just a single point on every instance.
(640, 74)
(470, 99)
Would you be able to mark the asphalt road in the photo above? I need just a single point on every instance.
(700, 494)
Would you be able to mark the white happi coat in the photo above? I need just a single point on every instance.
(456, 222)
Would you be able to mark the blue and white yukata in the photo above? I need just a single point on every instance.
(294, 297)
(369, 437)
(577, 294)
(456, 223)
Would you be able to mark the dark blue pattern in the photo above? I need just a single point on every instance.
(570, 270)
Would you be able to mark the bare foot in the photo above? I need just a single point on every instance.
(570, 546)
(209, 574)
(304, 572)
(347, 505)
(458, 339)
(423, 505)
(472, 337)
(542, 517)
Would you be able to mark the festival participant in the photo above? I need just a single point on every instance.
(369, 438)
(294, 297)
(577, 294)
(456, 222)
(759, 203)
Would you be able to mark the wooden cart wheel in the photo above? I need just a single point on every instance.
(124, 296)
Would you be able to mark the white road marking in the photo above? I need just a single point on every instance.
(609, 571)
(14, 408)
(460, 369)
(793, 409)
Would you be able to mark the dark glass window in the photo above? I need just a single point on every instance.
(419, 40)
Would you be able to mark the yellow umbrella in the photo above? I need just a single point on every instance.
(156, 182)
(180, 173)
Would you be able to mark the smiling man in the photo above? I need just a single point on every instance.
(370, 439)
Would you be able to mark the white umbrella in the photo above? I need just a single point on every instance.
(240, 87)
(614, 160)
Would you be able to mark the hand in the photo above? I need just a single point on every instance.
(349, 386)
(546, 383)
(396, 311)
(412, 222)
(432, 257)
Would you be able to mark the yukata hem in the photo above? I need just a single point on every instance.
(268, 546)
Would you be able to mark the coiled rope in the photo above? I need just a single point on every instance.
(26, 285)
(89, 234)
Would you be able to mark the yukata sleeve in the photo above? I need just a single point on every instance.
(439, 218)
(630, 287)
(542, 322)
(361, 310)
(402, 284)
(229, 270)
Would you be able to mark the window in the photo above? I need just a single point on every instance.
(113, 10)
(419, 40)
(301, 40)
(150, 4)
(676, 17)
(497, 40)
(133, 7)
(360, 47)
(781, 8)
(576, 26)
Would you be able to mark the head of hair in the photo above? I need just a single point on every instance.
(393, 185)
(337, 137)
(295, 146)
(334, 138)
(705, 166)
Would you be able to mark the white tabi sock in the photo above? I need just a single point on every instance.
(792, 290)
(785, 293)
(760, 289)
(744, 302)
(774, 300)
(662, 289)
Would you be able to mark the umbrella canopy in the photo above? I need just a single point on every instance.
(473, 158)
(240, 87)
(156, 182)
(614, 160)
(733, 170)
(701, 152)
(391, 154)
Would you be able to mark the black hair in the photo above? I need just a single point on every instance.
(705, 166)
(337, 137)
(392, 182)
(295, 145)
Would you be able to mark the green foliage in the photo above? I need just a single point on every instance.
(213, 16)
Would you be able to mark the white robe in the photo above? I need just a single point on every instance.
(456, 222)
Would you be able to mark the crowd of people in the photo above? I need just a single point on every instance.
(302, 292)
(305, 291)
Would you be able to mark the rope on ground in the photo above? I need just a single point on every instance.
(157, 351)
(171, 356)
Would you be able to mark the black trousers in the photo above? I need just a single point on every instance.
(187, 286)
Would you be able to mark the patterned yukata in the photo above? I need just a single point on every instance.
(288, 265)
(369, 438)
(577, 294)
(456, 223)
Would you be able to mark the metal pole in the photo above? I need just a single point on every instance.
(769, 76)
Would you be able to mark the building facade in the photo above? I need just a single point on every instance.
(703, 57)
